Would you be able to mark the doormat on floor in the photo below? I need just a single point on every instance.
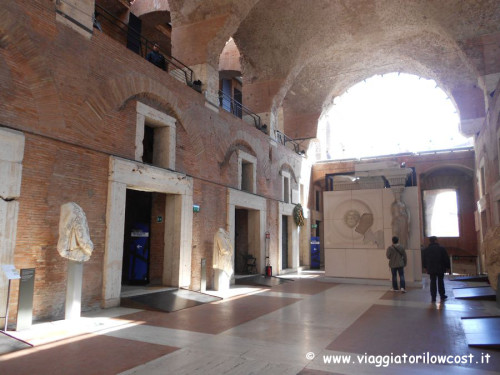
(482, 331)
(471, 278)
(261, 280)
(168, 301)
(478, 292)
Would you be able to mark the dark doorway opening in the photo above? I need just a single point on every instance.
(148, 144)
(284, 242)
(240, 241)
(134, 33)
(238, 97)
(136, 244)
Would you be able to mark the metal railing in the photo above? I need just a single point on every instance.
(227, 103)
(283, 139)
(112, 26)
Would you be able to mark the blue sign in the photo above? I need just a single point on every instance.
(315, 253)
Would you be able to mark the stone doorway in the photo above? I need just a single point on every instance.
(177, 219)
(247, 213)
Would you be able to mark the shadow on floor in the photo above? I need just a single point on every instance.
(261, 280)
(168, 301)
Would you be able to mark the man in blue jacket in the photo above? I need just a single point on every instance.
(436, 262)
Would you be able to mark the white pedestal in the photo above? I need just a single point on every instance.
(74, 290)
(221, 280)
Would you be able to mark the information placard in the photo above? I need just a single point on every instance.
(11, 272)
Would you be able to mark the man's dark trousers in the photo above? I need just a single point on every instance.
(440, 284)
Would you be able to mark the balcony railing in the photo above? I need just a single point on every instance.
(227, 103)
(283, 139)
(111, 25)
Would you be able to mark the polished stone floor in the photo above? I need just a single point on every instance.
(308, 326)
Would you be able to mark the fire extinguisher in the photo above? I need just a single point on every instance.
(269, 268)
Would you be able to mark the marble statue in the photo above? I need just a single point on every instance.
(400, 222)
(222, 260)
(74, 239)
(490, 248)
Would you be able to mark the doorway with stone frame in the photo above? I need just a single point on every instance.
(177, 220)
(288, 240)
(247, 221)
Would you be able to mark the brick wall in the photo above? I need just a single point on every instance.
(75, 100)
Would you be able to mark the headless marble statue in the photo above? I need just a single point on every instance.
(400, 222)
(74, 239)
(222, 260)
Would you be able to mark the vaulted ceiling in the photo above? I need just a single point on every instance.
(320, 48)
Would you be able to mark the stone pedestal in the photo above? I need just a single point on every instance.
(222, 281)
(74, 290)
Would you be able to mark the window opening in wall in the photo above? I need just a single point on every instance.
(484, 224)
(286, 189)
(430, 119)
(482, 178)
(441, 213)
(238, 97)
(148, 145)
(247, 176)
(317, 202)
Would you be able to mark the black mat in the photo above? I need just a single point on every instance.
(471, 278)
(261, 280)
(482, 331)
(168, 301)
(478, 292)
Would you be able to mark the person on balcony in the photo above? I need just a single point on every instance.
(156, 57)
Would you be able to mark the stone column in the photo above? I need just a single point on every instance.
(11, 157)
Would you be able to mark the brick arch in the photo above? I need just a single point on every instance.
(18, 42)
(288, 168)
(142, 7)
(231, 25)
(238, 144)
(114, 93)
(458, 172)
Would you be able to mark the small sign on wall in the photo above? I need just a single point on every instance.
(159, 219)
(11, 272)
(196, 208)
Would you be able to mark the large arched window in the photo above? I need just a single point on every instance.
(389, 114)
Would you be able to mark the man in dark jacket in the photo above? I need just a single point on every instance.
(156, 57)
(436, 262)
(397, 262)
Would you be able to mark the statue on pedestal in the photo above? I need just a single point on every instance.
(400, 221)
(490, 248)
(74, 239)
(222, 260)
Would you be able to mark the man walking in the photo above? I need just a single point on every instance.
(397, 262)
(436, 262)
